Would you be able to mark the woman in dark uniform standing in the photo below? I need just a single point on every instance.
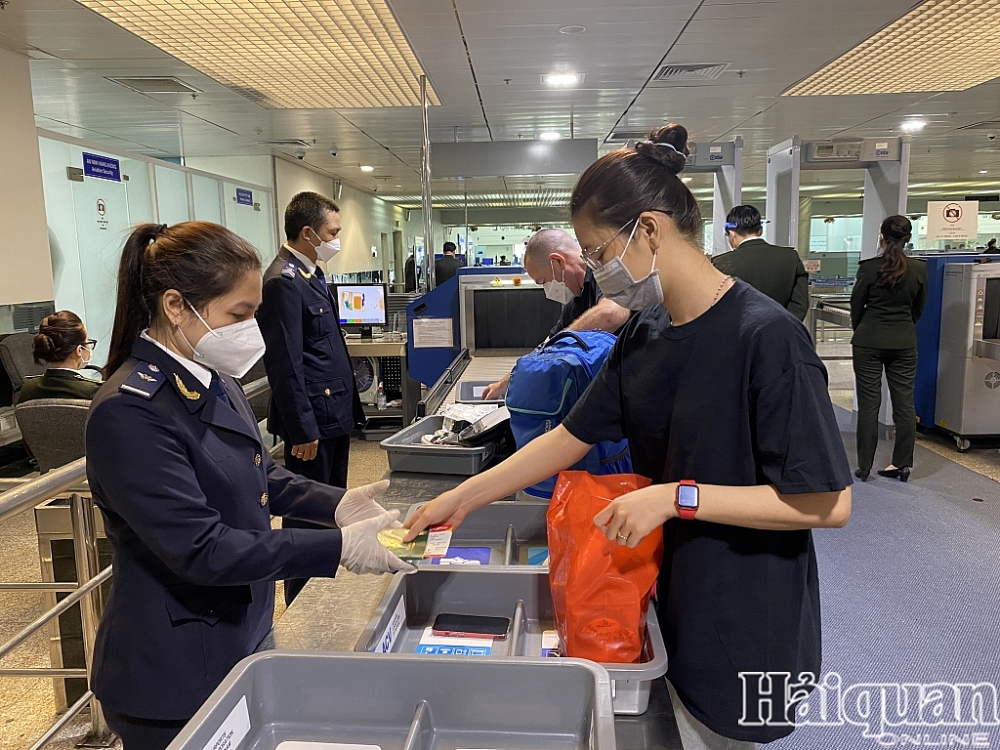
(62, 344)
(187, 488)
(886, 303)
(725, 406)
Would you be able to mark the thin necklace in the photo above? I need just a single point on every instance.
(721, 287)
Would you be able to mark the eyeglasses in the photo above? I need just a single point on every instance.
(90, 344)
(590, 257)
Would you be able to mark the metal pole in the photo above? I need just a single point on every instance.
(84, 551)
(425, 189)
(467, 258)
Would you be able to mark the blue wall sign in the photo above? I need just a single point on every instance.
(102, 167)
(244, 197)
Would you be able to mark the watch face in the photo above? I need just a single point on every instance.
(687, 496)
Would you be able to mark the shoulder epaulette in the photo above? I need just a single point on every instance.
(145, 380)
(288, 270)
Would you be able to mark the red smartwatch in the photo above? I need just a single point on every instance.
(687, 499)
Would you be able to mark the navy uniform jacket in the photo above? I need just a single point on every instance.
(187, 490)
(313, 394)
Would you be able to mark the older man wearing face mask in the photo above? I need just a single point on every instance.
(552, 259)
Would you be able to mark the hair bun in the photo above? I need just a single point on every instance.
(668, 146)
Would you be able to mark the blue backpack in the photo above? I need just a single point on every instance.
(544, 387)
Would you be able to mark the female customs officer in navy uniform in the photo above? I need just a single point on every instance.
(176, 464)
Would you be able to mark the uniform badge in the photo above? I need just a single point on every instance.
(185, 392)
(305, 275)
(142, 383)
(288, 270)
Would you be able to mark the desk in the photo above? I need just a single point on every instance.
(330, 615)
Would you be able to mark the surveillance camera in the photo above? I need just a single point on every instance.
(334, 150)
(992, 136)
(300, 155)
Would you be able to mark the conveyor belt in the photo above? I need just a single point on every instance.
(481, 367)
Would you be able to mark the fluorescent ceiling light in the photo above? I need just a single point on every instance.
(561, 79)
(913, 126)
(550, 135)
(366, 168)
(686, 179)
(983, 171)
(572, 29)
(937, 46)
(284, 54)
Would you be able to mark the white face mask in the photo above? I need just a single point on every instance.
(326, 249)
(231, 349)
(89, 358)
(556, 290)
(617, 284)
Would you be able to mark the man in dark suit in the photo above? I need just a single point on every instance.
(314, 401)
(446, 267)
(410, 274)
(775, 271)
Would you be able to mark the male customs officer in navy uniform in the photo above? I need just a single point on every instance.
(314, 402)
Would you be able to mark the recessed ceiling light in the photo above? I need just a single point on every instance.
(550, 135)
(686, 179)
(284, 54)
(983, 171)
(366, 168)
(913, 126)
(561, 79)
(399, 186)
(572, 29)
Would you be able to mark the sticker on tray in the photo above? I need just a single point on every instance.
(465, 556)
(233, 729)
(300, 745)
(440, 645)
(396, 622)
(438, 541)
(550, 643)
(538, 555)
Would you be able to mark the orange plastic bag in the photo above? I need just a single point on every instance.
(600, 589)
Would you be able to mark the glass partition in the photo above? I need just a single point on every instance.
(172, 195)
(248, 214)
(207, 198)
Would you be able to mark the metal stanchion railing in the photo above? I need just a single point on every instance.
(24, 495)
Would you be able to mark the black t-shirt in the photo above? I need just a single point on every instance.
(736, 397)
(577, 306)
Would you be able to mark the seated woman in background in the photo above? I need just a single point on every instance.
(62, 344)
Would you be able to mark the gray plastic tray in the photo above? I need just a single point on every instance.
(509, 528)
(406, 453)
(404, 703)
(467, 392)
(520, 593)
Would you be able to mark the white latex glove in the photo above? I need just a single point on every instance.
(359, 504)
(362, 552)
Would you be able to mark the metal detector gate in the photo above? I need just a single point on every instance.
(725, 162)
(886, 164)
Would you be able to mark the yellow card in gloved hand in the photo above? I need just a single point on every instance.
(392, 540)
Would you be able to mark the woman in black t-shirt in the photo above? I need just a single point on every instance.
(725, 405)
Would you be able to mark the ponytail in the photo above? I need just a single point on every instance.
(896, 232)
(202, 261)
(131, 315)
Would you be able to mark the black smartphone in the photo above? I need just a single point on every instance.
(470, 626)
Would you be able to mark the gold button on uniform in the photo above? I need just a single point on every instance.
(263, 500)
(326, 392)
(256, 460)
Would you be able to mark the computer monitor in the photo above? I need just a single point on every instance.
(362, 306)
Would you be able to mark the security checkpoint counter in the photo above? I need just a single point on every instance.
(331, 614)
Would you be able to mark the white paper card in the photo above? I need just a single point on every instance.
(233, 729)
(433, 333)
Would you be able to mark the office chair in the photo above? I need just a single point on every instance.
(53, 429)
